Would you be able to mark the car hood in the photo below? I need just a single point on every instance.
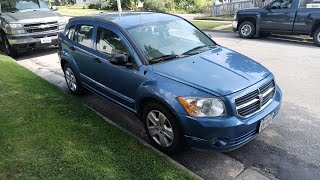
(220, 70)
(31, 16)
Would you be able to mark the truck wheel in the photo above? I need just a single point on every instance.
(247, 30)
(316, 37)
(7, 47)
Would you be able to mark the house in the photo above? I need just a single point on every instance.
(87, 2)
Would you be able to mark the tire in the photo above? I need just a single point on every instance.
(8, 49)
(72, 80)
(247, 30)
(159, 129)
(316, 37)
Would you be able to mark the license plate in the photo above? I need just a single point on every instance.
(46, 40)
(265, 122)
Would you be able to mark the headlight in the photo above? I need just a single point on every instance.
(203, 107)
(62, 23)
(14, 29)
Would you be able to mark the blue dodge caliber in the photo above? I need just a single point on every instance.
(187, 89)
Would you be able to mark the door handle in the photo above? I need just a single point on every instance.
(97, 60)
(72, 48)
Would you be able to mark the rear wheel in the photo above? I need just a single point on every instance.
(247, 30)
(162, 128)
(72, 80)
(316, 37)
(8, 49)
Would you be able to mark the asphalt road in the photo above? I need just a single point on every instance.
(289, 149)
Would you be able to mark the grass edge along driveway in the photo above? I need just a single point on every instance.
(48, 134)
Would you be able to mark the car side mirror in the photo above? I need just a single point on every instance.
(119, 59)
(54, 8)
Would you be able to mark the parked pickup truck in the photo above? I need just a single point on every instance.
(28, 24)
(301, 17)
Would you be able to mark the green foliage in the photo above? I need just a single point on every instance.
(55, 3)
(191, 6)
(125, 4)
(94, 6)
(154, 5)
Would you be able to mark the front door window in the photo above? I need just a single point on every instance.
(281, 4)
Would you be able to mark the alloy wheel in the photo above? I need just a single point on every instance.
(246, 30)
(71, 79)
(318, 36)
(160, 128)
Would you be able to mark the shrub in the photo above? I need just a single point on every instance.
(125, 4)
(159, 6)
(154, 5)
(55, 3)
(94, 6)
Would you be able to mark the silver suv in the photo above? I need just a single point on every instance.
(28, 24)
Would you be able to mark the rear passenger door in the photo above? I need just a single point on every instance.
(82, 48)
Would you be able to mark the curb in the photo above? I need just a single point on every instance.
(146, 144)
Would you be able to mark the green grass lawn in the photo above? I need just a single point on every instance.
(207, 25)
(77, 11)
(48, 134)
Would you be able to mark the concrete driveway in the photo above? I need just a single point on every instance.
(289, 149)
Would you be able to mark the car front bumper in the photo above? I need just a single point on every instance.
(235, 26)
(27, 41)
(230, 132)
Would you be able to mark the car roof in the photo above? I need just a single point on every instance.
(129, 19)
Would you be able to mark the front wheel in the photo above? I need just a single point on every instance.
(8, 49)
(316, 37)
(162, 128)
(247, 30)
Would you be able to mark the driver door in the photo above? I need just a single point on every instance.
(278, 16)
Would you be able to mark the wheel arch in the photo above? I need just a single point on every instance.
(244, 19)
(65, 58)
(315, 26)
(151, 99)
(146, 100)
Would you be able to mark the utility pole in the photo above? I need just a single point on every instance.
(119, 6)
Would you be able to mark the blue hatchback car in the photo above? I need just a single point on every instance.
(187, 89)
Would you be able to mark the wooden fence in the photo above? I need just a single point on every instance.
(232, 8)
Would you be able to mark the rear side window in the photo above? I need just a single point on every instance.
(309, 4)
(70, 32)
(110, 43)
(84, 35)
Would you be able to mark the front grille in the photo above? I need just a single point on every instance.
(41, 27)
(254, 101)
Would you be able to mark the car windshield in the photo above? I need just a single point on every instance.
(169, 39)
(22, 5)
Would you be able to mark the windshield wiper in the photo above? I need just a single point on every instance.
(163, 58)
(195, 50)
